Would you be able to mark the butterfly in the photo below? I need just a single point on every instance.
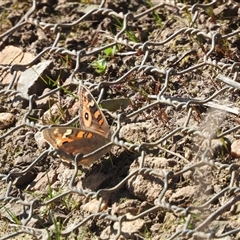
(92, 134)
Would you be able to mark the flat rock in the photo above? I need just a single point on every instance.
(11, 55)
(14, 208)
(43, 181)
(31, 81)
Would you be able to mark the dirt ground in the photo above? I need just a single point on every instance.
(166, 74)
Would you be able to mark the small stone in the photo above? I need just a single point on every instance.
(93, 206)
(129, 229)
(43, 180)
(183, 195)
(39, 139)
(187, 174)
(6, 120)
(31, 81)
(235, 148)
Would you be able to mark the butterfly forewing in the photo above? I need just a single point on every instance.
(90, 115)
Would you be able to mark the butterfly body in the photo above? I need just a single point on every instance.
(92, 134)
